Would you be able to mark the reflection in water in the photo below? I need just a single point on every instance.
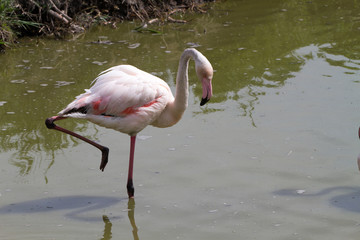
(108, 225)
(107, 228)
(131, 208)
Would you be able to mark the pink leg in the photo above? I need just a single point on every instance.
(130, 185)
(104, 150)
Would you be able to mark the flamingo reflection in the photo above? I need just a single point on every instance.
(131, 207)
(108, 225)
(107, 229)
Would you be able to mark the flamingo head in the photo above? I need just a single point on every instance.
(204, 72)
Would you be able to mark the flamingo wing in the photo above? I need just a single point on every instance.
(120, 91)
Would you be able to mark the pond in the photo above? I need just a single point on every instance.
(271, 156)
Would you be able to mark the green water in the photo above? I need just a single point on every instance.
(271, 156)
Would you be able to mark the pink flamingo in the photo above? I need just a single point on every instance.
(128, 99)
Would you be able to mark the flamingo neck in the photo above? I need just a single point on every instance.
(182, 83)
(175, 109)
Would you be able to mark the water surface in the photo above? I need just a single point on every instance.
(272, 156)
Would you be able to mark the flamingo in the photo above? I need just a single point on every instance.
(127, 99)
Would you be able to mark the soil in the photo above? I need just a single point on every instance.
(61, 17)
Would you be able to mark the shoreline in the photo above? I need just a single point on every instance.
(59, 19)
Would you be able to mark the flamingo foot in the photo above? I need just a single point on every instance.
(130, 188)
(104, 158)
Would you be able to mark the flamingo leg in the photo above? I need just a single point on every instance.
(130, 185)
(104, 150)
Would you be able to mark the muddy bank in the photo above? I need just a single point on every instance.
(61, 17)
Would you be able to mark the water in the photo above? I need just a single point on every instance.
(272, 156)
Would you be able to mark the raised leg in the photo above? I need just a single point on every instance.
(104, 150)
(130, 185)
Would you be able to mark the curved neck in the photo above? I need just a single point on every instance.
(182, 81)
(174, 110)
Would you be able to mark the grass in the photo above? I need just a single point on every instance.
(11, 23)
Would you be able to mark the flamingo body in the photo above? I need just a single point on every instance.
(123, 98)
(128, 99)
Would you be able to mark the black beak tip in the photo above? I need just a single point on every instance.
(203, 101)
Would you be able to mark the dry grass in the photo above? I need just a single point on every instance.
(62, 17)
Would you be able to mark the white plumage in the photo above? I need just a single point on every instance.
(123, 98)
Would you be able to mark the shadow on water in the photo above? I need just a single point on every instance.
(350, 200)
(79, 206)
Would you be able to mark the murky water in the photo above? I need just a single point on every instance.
(272, 156)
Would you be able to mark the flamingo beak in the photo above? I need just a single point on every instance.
(203, 101)
(207, 91)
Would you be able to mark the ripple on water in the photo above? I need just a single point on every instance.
(18, 81)
(62, 83)
(46, 67)
(134, 45)
(99, 63)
